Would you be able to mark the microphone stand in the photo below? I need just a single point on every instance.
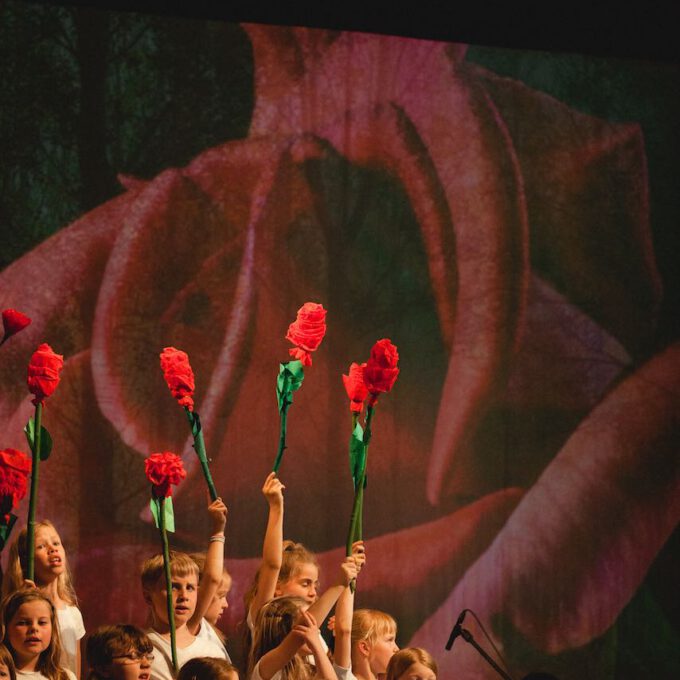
(467, 636)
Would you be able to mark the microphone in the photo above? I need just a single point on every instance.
(456, 630)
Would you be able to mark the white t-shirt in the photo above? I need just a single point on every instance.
(206, 632)
(343, 673)
(34, 675)
(71, 630)
(255, 675)
(161, 668)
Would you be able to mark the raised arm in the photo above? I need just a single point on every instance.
(344, 611)
(214, 564)
(272, 548)
(322, 607)
(275, 659)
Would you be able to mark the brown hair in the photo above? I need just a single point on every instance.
(370, 624)
(7, 660)
(153, 568)
(207, 668)
(13, 579)
(405, 658)
(48, 661)
(109, 641)
(274, 621)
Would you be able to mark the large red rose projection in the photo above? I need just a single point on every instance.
(498, 237)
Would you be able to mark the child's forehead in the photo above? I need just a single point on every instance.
(33, 608)
(187, 578)
(306, 570)
(47, 532)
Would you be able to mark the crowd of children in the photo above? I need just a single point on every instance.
(42, 627)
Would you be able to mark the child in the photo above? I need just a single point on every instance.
(31, 634)
(373, 643)
(413, 663)
(7, 670)
(285, 635)
(184, 574)
(53, 578)
(204, 668)
(121, 652)
(207, 624)
(190, 602)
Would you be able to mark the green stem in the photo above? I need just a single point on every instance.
(199, 447)
(356, 520)
(282, 437)
(35, 474)
(168, 582)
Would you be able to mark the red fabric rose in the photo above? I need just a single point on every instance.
(15, 467)
(381, 369)
(356, 387)
(43, 372)
(307, 331)
(164, 470)
(178, 375)
(13, 321)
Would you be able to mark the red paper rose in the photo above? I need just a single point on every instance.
(307, 331)
(356, 387)
(13, 321)
(178, 375)
(164, 470)
(381, 369)
(15, 467)
(43, 372)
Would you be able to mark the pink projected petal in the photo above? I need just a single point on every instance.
(587, 197)
(56, 284)
(580, 542)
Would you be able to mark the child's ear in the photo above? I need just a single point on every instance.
(147, 596)
(364, 647)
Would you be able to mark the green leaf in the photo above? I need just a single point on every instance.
(357, 454)
(195, 421)
(155, 511)
(289, 380)
(6, 530)
(45, 439)
(169, 513)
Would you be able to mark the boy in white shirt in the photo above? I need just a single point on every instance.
(185, 590)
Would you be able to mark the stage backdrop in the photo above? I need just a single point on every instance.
(508, 219)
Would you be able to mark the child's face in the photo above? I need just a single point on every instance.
(418, 672)
(381, 652)
(131, 666)
(184, 592)
(4, 671)
(303, 583)
(30, 631)
(219, 602)
(50, 559)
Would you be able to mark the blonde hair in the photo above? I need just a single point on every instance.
(371, 624)
(294, 555)
(109, 641)
(153, 568)
(7, 660)
(17, 563)
(405, 658)
(274, 621)
(48, 660)
(207, 668)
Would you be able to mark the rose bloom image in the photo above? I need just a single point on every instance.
(524, 464)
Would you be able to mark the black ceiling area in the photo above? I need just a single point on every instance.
(636, 31)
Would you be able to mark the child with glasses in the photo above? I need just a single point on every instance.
(121, 652)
